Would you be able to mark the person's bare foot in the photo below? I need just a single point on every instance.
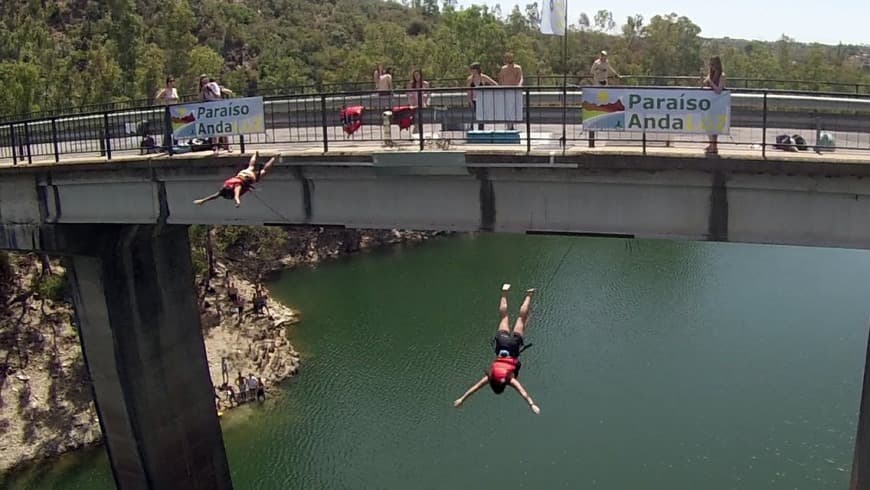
(198, 202)
(505, 288)
(531, 291)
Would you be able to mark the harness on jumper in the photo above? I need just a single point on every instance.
(493, 343)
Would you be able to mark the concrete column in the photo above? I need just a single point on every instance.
(861, 463)
(142, 341)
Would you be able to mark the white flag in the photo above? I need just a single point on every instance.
(553, 17)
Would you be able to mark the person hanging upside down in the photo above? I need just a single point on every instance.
(505, 369)
(235, 187)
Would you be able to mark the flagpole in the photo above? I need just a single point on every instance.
(565, 83)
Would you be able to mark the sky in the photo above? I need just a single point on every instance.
(828, 22)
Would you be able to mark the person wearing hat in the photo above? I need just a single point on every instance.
(601, 69)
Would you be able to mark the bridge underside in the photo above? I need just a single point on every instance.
(792, 203)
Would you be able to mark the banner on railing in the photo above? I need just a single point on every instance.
(656, 110)
(218, 118)
(499, 105)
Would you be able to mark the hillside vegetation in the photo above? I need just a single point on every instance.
(77, 52)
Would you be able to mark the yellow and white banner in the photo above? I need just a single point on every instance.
(653, 110)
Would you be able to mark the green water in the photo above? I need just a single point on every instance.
(656, 365)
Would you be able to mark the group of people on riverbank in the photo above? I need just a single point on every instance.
(259, 303)
(246, 389)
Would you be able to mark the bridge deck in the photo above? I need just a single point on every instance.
(362, 153)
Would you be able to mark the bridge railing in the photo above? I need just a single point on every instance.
(806, 87)
(551, 120)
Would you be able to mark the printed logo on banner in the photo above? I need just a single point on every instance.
(218, 118)
(656, 110)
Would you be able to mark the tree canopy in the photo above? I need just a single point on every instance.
(77, 52)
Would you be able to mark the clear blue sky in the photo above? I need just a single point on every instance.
(828, 22)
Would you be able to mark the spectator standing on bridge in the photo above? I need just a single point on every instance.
(385, 82)
(376, 76)
(385, 89)
(601, 70)
(235, 187)
(476, 78)
(418, 83)
(716, 82)
(169, 94)
(415, 98)
(511, 74)
(211, 90)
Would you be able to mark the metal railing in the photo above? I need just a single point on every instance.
(433, 118)
(809, 87)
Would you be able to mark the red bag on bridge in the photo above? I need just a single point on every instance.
(403, 115)
(351, 118)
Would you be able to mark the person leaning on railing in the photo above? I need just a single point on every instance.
(211, 90)
(716, 81)
(601, 70)
(476, 78)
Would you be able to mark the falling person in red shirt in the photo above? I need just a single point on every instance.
(235, 187)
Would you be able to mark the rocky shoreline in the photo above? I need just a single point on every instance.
(46, 405)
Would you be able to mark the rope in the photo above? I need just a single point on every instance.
(562, 261)
(264, 203)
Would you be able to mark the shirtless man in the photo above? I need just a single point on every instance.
(511, 74)
(244, 181)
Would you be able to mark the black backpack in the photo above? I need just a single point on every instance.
(800, 142)
(785, 142)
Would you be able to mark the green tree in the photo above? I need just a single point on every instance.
(20, 81)
(203, 61)
(150, 72)
(673, 46)
(604, 21)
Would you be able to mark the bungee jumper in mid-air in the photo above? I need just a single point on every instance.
(505, 369)
(235, 187)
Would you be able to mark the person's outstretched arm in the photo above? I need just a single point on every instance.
(613, 70)
(208, 198)
(480, 384)
(522, 391)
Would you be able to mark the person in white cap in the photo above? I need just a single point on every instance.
(601, 69)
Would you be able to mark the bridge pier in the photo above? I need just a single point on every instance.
(142, 341)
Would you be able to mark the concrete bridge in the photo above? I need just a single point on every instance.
(123, 224)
